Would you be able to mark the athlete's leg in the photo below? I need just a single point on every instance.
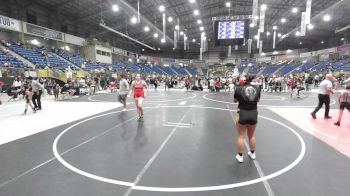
(140, 103)
(340, 115)
(241, 130)
(251, 136)
(137, 106)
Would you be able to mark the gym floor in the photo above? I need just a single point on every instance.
(185, 146)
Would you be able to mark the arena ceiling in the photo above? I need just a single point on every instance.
(90, 12)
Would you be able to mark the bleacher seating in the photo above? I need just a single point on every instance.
(270, 69)
(286, 69)
(31, 55)
(192, 70)
(11, 60)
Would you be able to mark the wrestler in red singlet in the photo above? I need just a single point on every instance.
(138, 90)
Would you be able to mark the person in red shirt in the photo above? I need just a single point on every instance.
(187, 83)
(138, 88)
(217, 85)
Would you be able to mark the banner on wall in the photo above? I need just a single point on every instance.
(168, 60)
(43, 32)
(264, 59)
(119, 51)
(326, 51)
(10, 23)
(305, 55)
(154, 59)
(343, 48)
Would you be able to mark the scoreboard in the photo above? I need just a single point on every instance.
(231, 30)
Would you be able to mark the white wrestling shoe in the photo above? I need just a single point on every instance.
(239, 158)
(252, 155)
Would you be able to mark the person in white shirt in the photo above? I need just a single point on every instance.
(326, 89)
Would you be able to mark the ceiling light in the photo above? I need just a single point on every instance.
(283, 20)
(251, 25)
(115, 8)
(342, 39)
(279, 35)
(177, 27)
(275, 52)
(228, 4)
(322, 42)
(204, 38)
(326, 17)
(196, 12)
(193, 40)
(199, 21)
(185, 37)
(263, 54)
(274, 27)
(162, 40)
(294, 10)
(267, 33)
(170, 19)
(158, 48)
(297, 33)
(256, 17)
(288, 51)
(146, 28)
(133, 20)
(263, 7)
(161, 8)
(192, 1)
(155, 35)
(181, 33)
(256, 37)
(203, 34)
(143, 50)
(300, 43)
(201, 28)
(310, 26)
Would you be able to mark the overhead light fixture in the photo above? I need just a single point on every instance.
(251, 25)
(326, 18)
(181, 33)
(158, 48)
(297, 33)
(146, 28)
(275, 52)
(342, 39)
(161, 8)
(322, 42)
(274, 27)
(177, 27)
(283, 20)
(201, 28)
(199, 21)
(143, 50)
(162, 40)
(263, 54)
(256, 37)
(310, 26)
(300, 43)
(228, 4)
(203, 33)
(268, 33)
(204, 38)
(170, 19)
(133, 20)
(263, 7)
(294, 10)
(193, 40)
(115, 8)
(256, 17)
(279, 35)
(185, 37)
(155, 35)
(192, 1)
(196, 12)
(288, 51)
(67, 48)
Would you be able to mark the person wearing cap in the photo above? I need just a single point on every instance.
(247, 96)
(326, 89)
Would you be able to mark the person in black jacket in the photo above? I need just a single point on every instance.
(247, 96)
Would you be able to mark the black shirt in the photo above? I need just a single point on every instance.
(247, 97)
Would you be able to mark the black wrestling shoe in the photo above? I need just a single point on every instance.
(313, 115)
(327, 117)
(337, 123)
(25, 112)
